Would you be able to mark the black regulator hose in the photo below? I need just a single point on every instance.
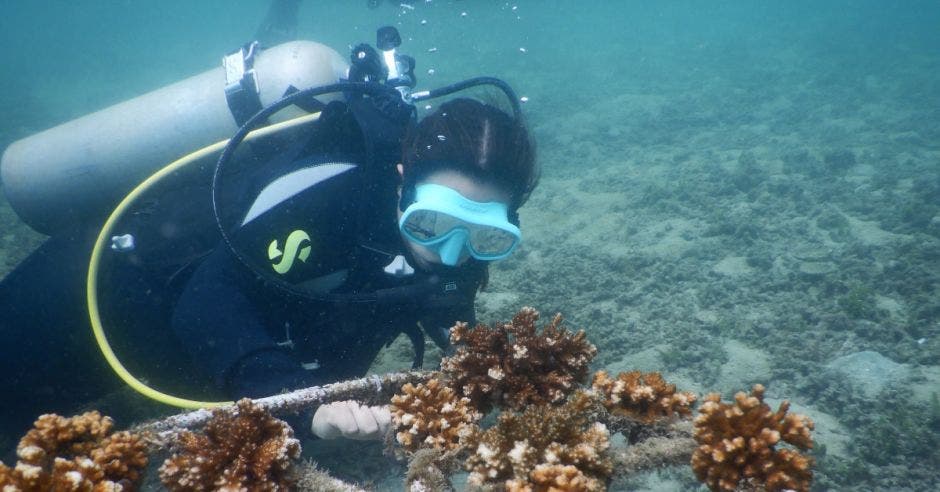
(466, 84)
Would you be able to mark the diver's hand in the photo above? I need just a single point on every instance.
(351, 420)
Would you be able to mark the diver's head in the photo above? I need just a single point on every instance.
(466, 169)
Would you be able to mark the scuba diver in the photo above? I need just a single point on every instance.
(291, 262)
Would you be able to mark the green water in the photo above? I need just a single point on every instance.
(733, 192)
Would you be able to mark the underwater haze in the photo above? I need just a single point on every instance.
(733, 192)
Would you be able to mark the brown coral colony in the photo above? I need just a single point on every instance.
(551, 435)
(431, 415)
(76, 453)
(546, 448)
(245, 450)
(738, 442)
(513, 365)
(643, 397)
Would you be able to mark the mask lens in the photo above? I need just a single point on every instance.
(428, 225)
(490, 241)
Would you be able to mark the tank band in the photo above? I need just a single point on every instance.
(241, 83)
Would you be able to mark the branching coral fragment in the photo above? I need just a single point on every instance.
(737, 442)
(431, 415)
(643, 397)
(544, 448)
(78, 453)
(243, 450)
(513, 365)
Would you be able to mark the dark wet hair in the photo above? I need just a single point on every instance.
(477, 139)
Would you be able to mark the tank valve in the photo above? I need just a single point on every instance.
(400, 67)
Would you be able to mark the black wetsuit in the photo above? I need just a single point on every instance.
(349, 290)
(242, 327)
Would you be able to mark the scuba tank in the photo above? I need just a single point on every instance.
(165, 248)
(78, 171)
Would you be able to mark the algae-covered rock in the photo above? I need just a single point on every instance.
(869, 371)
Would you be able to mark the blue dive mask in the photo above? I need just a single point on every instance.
(444, 221)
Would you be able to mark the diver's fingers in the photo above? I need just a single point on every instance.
(333, 420)
(383, 417)
(365, 420)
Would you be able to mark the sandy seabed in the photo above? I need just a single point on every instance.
(792, 239)
(786, 234)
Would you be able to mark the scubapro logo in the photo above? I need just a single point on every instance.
(294, 248)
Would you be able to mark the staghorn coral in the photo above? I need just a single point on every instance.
(737, 442)
(545, 448)
(431, 415)
(513, 365)
(643, 397)
(247, 449)
(78, 454)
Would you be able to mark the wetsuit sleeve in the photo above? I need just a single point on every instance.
(438, 322)
(454, 302)
(225, 335)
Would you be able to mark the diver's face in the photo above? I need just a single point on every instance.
(470, 189)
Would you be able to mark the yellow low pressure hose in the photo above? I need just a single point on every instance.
(104, 239)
